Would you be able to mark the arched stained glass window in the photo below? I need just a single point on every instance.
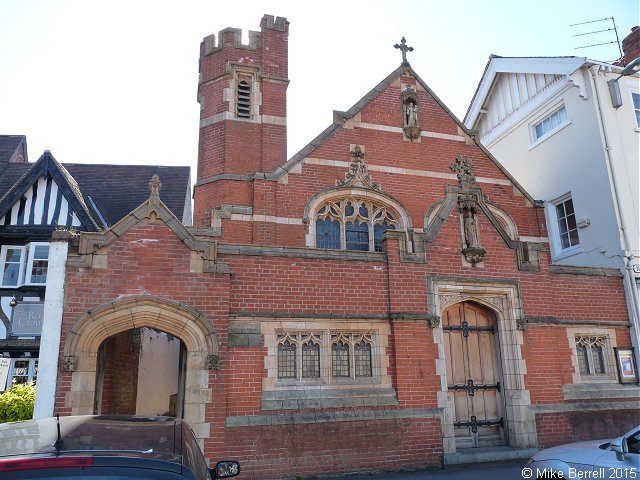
(353, 224)
(357, 235)
(328, 233)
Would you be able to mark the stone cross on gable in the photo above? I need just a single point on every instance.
(403, 46)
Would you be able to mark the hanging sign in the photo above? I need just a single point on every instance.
(27, 319)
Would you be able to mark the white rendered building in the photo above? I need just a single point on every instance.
(568, 129)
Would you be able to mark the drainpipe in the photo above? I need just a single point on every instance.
(633, 303)
(52, 325)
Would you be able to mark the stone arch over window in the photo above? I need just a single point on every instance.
(174, 318)
(354, 219)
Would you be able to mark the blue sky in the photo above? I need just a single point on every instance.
(115, 81)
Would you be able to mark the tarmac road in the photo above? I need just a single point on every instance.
(483, 471)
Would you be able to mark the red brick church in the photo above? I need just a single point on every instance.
(382, 300)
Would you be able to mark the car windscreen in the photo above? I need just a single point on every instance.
(90, 433)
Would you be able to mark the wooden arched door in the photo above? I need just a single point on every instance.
(473, 375)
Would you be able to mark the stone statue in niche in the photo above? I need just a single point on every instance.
(411, 112)
(470, 227)
(472, 250)
(410, 108)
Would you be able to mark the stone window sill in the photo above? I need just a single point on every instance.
(328, 398)
(594, 391)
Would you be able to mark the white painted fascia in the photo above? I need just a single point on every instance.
(536, 65)
(525, 111)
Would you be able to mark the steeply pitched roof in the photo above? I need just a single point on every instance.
(101, 195)
(118, 189)
(47, 166)
(341, 117)
(12, 148)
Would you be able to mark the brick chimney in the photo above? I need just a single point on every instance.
(631, 46)
(242, 96)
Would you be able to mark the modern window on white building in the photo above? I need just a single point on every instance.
(636, 106)
(564, 226)
(549, 124)
(24, 264)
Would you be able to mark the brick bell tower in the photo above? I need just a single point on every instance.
(242, 96)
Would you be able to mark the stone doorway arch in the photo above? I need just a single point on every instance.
(473, 374)
(503, 300)
(80, 352)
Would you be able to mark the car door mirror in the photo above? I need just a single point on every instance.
(225, 469)
(619, 445)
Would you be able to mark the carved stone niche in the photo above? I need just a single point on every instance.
(472, 250)
(410, 108)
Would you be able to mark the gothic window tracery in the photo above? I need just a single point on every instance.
(327, 356)
(591, 355)
(353, 224)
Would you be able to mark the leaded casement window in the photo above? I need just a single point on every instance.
(550, 123)
(311, 359)
(24, 264)
(351, 355)
(287, 365)
(353, 224)
(340, 359)
(362, 357)
(592, 355)
(299, 355)
(326, 356)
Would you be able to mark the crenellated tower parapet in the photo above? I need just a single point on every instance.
(242, 96)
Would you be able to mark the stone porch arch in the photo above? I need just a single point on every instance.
(80, 352)
(504, 301)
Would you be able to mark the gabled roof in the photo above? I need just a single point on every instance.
(47, 166)
(13, 148)
(100, 195)
(531, 65)
(118, 189)
(340, 117)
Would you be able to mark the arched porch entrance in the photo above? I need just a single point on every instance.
(185, 323)
(141, 372)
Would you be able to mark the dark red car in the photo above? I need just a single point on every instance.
(105, 448)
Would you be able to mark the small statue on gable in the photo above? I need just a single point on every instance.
(410, 108)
